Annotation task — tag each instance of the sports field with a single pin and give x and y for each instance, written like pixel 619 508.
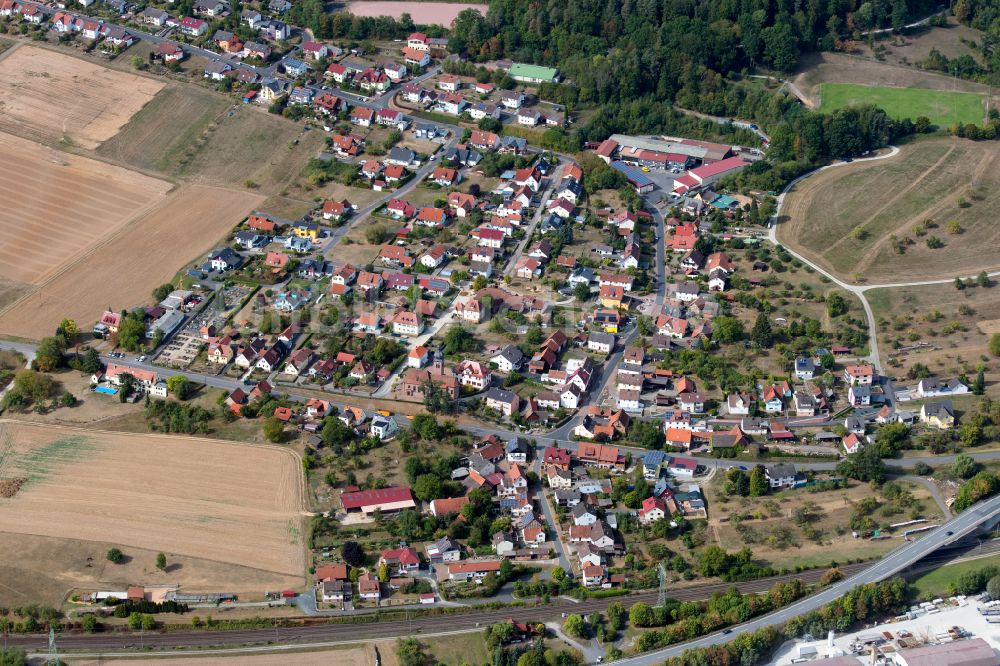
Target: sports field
pixel 942 107
pixel 175 494
pixel 874 218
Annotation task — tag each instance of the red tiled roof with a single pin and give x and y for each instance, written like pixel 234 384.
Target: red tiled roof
pixel 364 498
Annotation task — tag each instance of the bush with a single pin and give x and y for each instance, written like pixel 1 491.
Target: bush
pixel 91 625
pixel 115 556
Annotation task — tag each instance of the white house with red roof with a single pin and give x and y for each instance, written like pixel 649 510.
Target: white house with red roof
pixel 863 374
pixel 195 27
pixel 315 50
pixel 653 509
pixel 490 237
pixel 474 374
pixel 530 177
pixel 416 57
pixel 406 323
pixel 401 560
pixel 418 41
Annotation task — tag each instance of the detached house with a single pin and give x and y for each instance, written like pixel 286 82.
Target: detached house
pixel 406 323
pixel 474 374
pixel 445 177
pixel 505 402
pixel 940 415
pixel 193 26
pixel 859 374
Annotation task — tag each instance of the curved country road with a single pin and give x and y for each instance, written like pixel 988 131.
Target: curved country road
pixel 858 290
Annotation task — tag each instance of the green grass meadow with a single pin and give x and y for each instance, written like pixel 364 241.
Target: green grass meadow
pixel 937 582
pixel 942 107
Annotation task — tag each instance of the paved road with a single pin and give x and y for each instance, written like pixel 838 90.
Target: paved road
pixel 156 40
pixel 432 330
pixel 858 290
pixel 857 574
pixel 544 196
pixel 550 518
pixel 721 120
pixel 808 103
pixel 362 213
pixel 558 437
pixel 899 559
pixel 934 491
pixel 915 24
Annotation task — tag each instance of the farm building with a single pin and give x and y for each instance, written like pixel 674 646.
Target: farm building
pixel 386 500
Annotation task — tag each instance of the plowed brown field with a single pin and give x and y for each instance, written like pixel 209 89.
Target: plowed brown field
pixel 49 96
pixel 123 271
pixel 57 205
pixel 232 503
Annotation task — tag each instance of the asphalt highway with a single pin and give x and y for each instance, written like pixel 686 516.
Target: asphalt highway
pixel 964 524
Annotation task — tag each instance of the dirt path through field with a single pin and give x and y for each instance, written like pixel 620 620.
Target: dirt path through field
pixel 948 202
pixel 899 195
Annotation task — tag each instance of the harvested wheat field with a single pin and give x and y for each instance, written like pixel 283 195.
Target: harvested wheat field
pixel 58 205
pixel 231 503
pixel 49 96
pixel 123 272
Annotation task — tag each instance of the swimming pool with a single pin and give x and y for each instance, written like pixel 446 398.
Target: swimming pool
pixel 106 390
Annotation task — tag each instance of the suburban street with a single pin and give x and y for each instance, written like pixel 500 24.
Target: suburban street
pixel 903 557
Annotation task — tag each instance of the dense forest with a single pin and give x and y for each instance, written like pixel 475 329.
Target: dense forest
pixel 623 49
pixel 635 60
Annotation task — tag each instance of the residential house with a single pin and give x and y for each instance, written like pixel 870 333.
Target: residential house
pixel 194 27
pixel 369 587
pixel 508 359
pixel 400 560
pixel 738 404
pixel 940 414
pixel 430 216
pixel 443 550
pixel 383 427
pixel 472 570
pixel 406 323
pixel 781 475
pixel 863 374
pixel 416 57
pixel 504 402
pixel 804 368
pixel 859 395
pixel 653 509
